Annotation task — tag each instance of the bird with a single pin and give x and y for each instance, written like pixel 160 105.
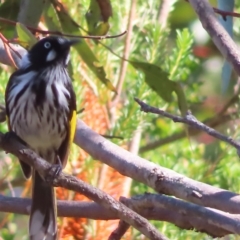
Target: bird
pixel 41 110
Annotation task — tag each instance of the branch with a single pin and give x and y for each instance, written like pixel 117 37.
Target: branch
pixel 218 119
pixel 122 227
pixel 225 221
pixel 218 34
pixel 161 179
pixel 58 33
pixel 13 144
pixel 182 214
pixel 190 120
pixel 212 122
pixel 224 14
pixel 126 52
pixel 119 232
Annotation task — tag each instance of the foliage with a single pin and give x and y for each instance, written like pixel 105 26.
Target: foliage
pixel 163 69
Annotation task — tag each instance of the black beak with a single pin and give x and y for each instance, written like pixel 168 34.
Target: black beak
pixel 73 41
pixel 68 43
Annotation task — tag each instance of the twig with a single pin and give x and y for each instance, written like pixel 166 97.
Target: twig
pixel 190 120
pixel 15 183
pixel 8 49
pixel 123 67
pixel 123 226
pixel 33 29
pixel 118 233
pixel 212 122
pixel 224 13
pixel 229 103
pixel 13 144
pixel 15 51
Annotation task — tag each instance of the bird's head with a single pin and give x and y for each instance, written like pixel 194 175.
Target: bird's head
pixel 48 51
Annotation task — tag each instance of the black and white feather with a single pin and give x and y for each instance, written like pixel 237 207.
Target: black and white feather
pixel 39 103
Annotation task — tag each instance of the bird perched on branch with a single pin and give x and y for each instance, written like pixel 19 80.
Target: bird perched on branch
pixel 41 110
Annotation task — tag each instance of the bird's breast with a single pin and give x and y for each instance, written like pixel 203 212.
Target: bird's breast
pixel 41 124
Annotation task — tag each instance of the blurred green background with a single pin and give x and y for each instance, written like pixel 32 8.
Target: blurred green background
pixel 185 58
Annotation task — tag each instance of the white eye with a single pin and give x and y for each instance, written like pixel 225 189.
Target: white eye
pixel 47 45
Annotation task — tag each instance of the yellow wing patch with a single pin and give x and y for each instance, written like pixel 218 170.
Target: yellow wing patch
pixel 73 123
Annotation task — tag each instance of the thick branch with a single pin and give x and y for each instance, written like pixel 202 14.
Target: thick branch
pixel 214 217
pixel 12 144
pixel 155 176
pixel 161 179
pixel 168 210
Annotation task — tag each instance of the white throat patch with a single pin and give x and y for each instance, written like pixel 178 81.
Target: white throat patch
pixel 51 56
pixel 67 59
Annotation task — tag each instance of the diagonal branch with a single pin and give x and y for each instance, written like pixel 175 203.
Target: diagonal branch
pixel 161 179
pixel 218 119
pixel 212 122
pixel 119 232
pixel 219 35
pixel 13 144
pixel 190 120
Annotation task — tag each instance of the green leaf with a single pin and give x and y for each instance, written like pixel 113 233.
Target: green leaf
pixel 6 234
pixel 158 80
pixel 97 17
pixel 25 37
pixel 70 26
pixel 51 18
pixel 89 58
pixel 182 102
pixel 9 10
pixel 67 23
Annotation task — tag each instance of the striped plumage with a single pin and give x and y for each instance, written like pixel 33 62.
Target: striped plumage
pixel 41 109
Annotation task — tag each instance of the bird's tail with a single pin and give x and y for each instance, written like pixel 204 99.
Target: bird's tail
pixel 43 218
